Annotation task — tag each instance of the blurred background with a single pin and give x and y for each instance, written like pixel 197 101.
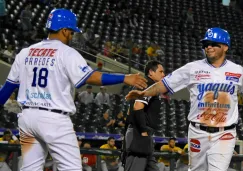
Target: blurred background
pixel 120 36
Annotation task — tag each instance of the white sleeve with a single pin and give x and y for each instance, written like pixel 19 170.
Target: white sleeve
pixel 13 76
pixel 77 68
pixel 178 79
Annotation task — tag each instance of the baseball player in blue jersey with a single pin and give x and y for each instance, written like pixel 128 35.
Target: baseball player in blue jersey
pixel 45 73
pixel 213 84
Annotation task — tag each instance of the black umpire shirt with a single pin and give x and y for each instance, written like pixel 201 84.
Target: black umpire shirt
pixel 148 117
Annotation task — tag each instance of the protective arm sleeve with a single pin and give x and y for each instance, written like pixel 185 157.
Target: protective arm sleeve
pixel 140 120
pixel 6 91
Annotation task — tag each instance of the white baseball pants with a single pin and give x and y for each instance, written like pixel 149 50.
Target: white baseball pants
pixel 43 131
pixel 210 151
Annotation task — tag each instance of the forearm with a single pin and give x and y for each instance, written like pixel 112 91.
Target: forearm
pixel 99 78
pixel 155 89
pixel 6 91
pixel 140 120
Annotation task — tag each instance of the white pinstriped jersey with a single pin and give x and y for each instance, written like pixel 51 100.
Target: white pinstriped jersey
pixel 213 91
pixel 47 72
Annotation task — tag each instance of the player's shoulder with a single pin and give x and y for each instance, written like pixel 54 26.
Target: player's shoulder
pixel 232 64
pixel 71 51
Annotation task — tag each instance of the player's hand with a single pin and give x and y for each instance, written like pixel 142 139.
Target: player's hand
pixel 135 80
pixel 135 94
pixel 144 134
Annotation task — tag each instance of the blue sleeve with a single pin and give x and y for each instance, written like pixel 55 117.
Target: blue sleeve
pixel 111 79
pixel 6 91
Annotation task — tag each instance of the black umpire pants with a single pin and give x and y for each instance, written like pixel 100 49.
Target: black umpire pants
pixel 136 162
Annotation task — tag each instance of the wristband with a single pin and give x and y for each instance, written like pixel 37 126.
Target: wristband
pixel 110 79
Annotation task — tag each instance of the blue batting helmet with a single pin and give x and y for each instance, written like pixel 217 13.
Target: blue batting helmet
pixel 217 35
pixel 62 18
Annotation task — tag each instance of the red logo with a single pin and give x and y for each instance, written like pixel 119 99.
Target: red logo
pixel 232 74
pixel 202 76
pixel 227 136
pixel 195 145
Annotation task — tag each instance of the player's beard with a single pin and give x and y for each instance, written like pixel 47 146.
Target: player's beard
pixel 215 57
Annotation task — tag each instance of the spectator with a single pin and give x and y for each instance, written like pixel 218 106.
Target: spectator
pixel 89 160
pixel 7 138
pixel 110 163
pixel 189 17
pixel 106 121
pixel 12 105
pixel 26 17
pixel 160 53
pixel 151 52
pixel 136 50
pixel 87 96
pixel 9 54
pixel 102 97
pixel 99 66
pixel 182 163
pixel 108 49
pixel 240 98
pixel 120 120
pixel 169 148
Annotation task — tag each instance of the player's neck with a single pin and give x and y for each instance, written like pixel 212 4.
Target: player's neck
pixel 56 37
pixel 217 63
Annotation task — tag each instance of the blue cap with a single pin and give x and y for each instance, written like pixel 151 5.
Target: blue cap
pixel 62 18
pixel 217 35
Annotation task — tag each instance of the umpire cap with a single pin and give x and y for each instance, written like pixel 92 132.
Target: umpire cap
pixel 62 18
pixel 217 35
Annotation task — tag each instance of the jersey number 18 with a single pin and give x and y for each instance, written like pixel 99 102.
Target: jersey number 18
pixel 42 77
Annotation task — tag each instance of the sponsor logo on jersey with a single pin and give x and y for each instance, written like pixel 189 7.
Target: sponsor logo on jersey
pixel 42 52
pixel 202 105
pixel 37 104
pixel 202 76
pixel 202 72
pixel 44 95
pixel 40 57
pixel 216 88
pixel 232 76
pixel 227 136
pixel 195 145
pixel 84 69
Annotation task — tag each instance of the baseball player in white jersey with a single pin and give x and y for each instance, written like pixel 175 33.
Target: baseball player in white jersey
pixel 45 73
pixel 213 84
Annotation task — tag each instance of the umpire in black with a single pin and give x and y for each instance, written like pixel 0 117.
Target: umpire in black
pixel 142 121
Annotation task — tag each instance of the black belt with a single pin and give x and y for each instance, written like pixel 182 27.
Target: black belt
pixel 42 108
pixel 212 129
